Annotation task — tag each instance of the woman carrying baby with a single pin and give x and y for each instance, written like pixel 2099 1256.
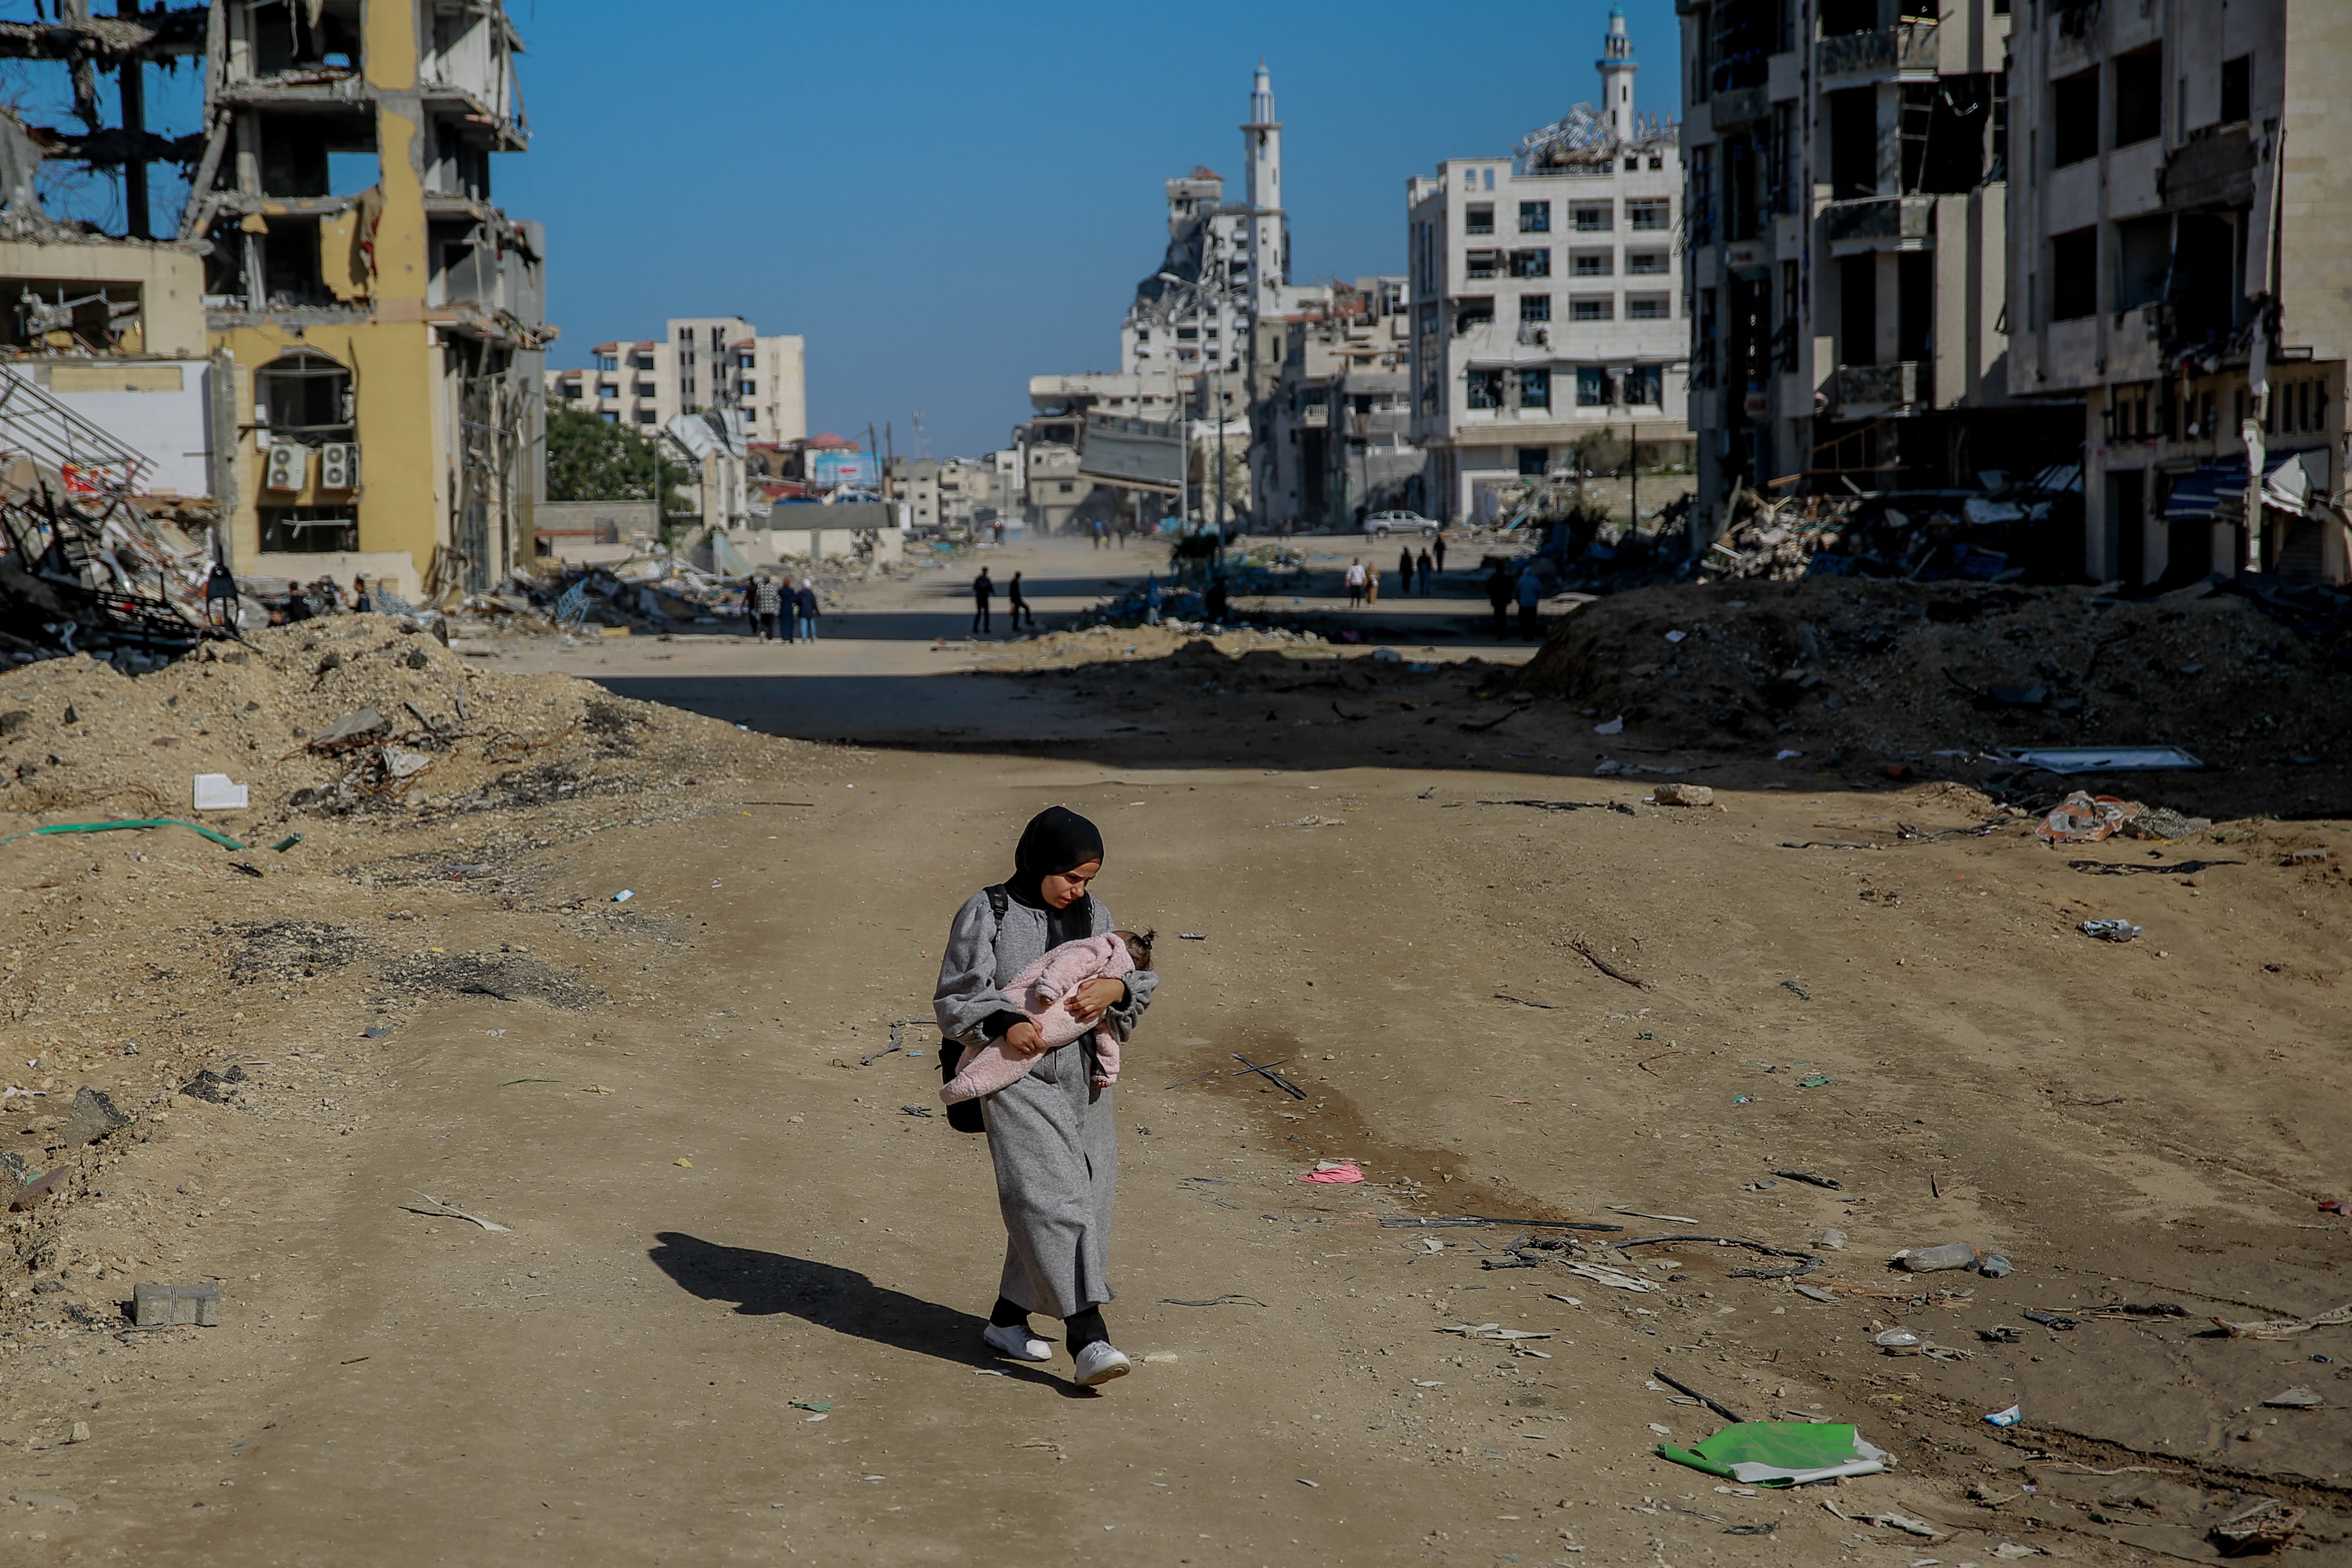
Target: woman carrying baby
pixel 1052 1132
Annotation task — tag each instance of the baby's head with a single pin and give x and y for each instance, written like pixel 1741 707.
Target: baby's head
pixel 1139 946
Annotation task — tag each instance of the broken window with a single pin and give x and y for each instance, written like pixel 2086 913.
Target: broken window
pixel 309 529
pixel 76 315
pixel 1854 144
pixel 1915 312
pixel 291 274
pixel 2139 95
pixel 1531 264
pixel 1858 310
pixel 1945 127
pixel 1478 217
pixel 2075 118
pixel 1535 388
pixel 291 37
pixel 1644 387
pixel 1590 264
pixel 1483 389
pixel 1840 18
pixel 1535 307
pixel 2074 274
pixel 1481 263
pixel 1473 310
pixel 306 398
pixel 2237 89
pixel 2143 259
pixel 1592 217
pixel 1600 308
pixel 2205 292
pixel 1592 386
pixel 1535 217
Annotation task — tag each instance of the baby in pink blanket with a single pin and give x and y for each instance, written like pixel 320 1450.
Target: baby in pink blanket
pixel 1041 991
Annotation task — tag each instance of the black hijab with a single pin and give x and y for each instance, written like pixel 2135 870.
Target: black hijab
pixel 1057 840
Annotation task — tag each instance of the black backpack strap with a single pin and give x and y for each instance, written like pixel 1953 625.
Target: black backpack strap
pixel 998 901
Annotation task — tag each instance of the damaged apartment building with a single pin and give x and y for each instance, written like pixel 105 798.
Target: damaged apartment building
pixel 1846 240
pixel 2183 206
pixel 1334 429
pixel 341 320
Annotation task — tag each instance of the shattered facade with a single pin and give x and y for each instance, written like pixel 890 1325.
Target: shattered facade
pixel 1545 289
pixel 1335 428
pixel 374 321
pixel 1847 198
pixel 2181 211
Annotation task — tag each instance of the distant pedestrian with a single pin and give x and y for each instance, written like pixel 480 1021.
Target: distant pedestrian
pixel 1498 594
pixel 1096 527
pixel 361 603
pixel 809 609
pixel 1440 553
pixel 1018 604
pixel 984 595
pixel 1121 529
pixel 1530 596
pixel 766 599
pixel 1371 585
pixel 221 596
pixel 1355 583
pixel 1424 572
pixel 788 614
pixel 1404 570
pixel 1215 602
pixel 1152 598
pixel 999 527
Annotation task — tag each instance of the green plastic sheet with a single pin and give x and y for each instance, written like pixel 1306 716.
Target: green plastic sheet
pixel 1781 1452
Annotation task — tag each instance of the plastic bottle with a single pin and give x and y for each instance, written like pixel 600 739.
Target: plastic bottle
pixel 1897 1342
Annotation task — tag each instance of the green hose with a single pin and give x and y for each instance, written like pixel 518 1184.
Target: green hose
pixel 221 838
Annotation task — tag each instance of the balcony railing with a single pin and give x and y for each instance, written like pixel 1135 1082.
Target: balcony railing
pixel 1740 106
pixel 1860 389
pixel 1886 220
pixel 1889 51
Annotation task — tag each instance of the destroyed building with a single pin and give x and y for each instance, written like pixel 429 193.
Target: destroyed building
pixel 1848 194
pixel 341 320
pixel 1546 288
pixel 2180 214
pixel 1335 428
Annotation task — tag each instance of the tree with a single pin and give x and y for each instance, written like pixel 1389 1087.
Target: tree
pixel 588 459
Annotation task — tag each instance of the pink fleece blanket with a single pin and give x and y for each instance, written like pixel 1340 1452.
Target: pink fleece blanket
pixel 1042 991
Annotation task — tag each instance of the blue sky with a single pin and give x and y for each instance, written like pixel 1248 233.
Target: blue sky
pixel 946 199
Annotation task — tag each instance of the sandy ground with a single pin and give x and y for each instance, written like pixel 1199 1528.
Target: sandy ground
pixel 735 1315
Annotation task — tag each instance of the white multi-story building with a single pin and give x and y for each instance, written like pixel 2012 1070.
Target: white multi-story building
pixel 702 363
pixel 1545 295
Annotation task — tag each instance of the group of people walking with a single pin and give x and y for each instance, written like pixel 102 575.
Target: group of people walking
pixel 983 598
pixel 781 611
pixel 1364 581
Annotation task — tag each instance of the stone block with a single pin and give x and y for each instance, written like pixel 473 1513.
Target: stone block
pixel 169 1306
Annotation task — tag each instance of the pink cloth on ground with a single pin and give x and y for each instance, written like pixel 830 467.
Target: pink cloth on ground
pixel 1041 991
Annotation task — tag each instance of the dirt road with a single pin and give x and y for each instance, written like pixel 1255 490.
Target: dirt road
pixel 734 1317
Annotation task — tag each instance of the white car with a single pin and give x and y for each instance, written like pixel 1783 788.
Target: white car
pixel 1380 525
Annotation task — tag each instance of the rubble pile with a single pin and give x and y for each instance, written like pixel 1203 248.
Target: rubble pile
pixel 1944 675
pixel 2029 530
pixel 341 715
pixel 83 569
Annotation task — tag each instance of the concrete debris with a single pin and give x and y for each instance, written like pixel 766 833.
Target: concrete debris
pixel 173 1306
pixel 92 1118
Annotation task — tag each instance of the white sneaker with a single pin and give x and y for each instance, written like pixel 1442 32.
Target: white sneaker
pixel 1017 1341
pixel 1100 1363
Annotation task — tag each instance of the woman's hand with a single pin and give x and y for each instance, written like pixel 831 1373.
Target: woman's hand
pixel 1023 1039
pixel 1095 997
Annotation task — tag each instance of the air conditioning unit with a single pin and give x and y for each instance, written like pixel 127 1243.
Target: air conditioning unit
pixel 288 468
pixel 339 466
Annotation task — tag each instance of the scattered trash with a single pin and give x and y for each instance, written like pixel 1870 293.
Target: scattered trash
pixel 914 1111
pixel 1613 727
pixel 217 792
pixel 1810 1178
pixel 1584 949
pixel 2010 1550
pixel 2056 1323
pixel 207 1085
pixel 2265 1527
pixel 1489 1331
pixel 1682 795
pixel 287 843
pixel 1637 1214
pixel 1265 1071
pixel 1159 1355
pixel 454 1212
pixel 687 1163
pixel 1304 1482
pixel 2156 822
pixel 1781 1454
pixel 2084 818
pixel 1192 936
pixel 1716 1405
pixel 1802 994
pixel 2295 1399
pixel 222 839
pixel 1615 1279
pixel 2285 1327
pixel 822 1406
pixel 1996 1265
pixel 2009 1417
pixel 1897 1340
pixel 2098 759
pixel 1816 1293
pixel 1930 1259
pixel 1567 1300
pixel 1816 1080
pixel 2109 929
pixel 624 895
pixel 172 1306
pixel 2336 1205
pixel 2000 1334
pixel 1834 1239
pixel 1334 1171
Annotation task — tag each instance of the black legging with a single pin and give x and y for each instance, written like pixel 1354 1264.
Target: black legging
pixel 1084 1328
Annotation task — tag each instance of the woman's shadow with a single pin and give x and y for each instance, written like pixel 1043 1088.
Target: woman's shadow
pixel 764 1283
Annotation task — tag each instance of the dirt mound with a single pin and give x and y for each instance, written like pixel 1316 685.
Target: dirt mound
pixel 1909 673
pixel 352 714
